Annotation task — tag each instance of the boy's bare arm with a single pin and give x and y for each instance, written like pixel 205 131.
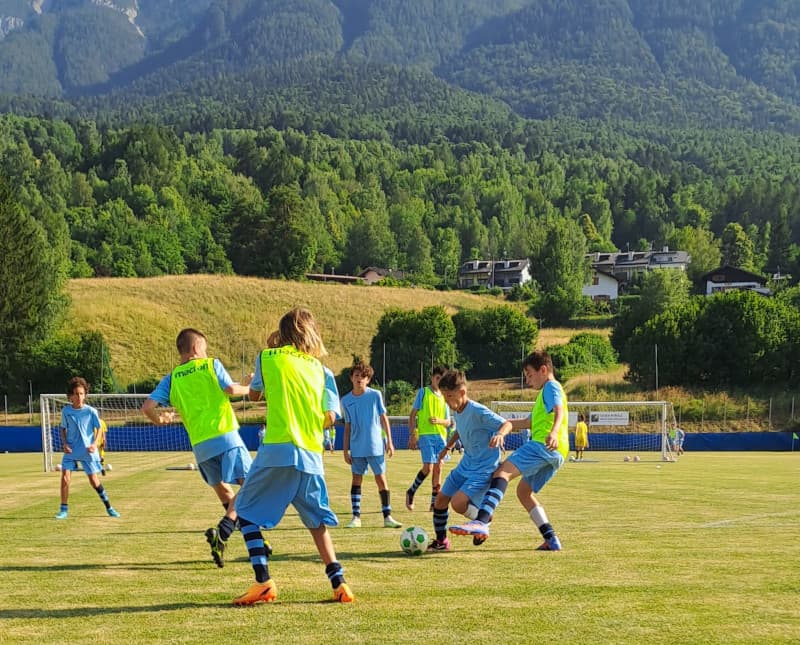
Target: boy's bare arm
pixel 387 430
pixel 551 441
pixel 240 389
pixel 151 411
pixel 518 425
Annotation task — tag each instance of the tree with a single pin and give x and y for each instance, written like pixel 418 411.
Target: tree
pixel 559 266
pixel 414 340
pixel 703 250
pixel 737 248
pixel 33 277
pixel 492 341
pixel 661 290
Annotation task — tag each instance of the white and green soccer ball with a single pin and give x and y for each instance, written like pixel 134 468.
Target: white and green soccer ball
pixel 414 540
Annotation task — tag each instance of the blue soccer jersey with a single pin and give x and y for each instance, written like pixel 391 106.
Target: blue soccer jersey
pixel 80 424
pixel 476 424
pixel 363 413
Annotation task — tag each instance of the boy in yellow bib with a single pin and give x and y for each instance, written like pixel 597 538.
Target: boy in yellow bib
pixel 427 427
pixel 199 389
pixel 288 468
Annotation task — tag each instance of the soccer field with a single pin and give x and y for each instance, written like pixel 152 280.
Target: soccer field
pixel 705 550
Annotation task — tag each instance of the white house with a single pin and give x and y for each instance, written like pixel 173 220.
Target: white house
pixel 626 266
pixel 604 286
pixel 728 278
pixel 505 274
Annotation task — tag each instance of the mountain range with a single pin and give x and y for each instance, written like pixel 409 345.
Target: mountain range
pixel 728 63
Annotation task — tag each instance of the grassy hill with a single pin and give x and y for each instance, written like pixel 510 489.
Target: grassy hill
pixel 140 317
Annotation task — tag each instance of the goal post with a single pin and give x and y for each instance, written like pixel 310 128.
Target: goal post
pixel 633 427
pixel 128 429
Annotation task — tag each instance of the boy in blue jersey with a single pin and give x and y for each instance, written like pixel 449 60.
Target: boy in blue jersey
pixel 536 461
pixel 427 428
pixel 199 389
pixel 288 468
pixel 366 426
pixel 481 432
pixel 80 424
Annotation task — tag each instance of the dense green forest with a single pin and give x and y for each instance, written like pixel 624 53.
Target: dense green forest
pixel 144 200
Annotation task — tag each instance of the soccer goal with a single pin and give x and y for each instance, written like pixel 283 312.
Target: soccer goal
pixel 634 427
pixel 128 429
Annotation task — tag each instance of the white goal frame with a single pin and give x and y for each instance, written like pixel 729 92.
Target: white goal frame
pixel 624 419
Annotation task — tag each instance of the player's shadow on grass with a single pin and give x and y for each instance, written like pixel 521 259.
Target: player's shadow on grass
pixel 344 555
pixel 79 612
pixel 145 566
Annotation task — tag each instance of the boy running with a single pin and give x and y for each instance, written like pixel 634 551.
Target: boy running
pixel 427 427
pixel 288 468
pixel 199 389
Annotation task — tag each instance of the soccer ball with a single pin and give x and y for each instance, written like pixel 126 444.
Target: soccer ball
pixel 190 466
pixel 626 458
pixel 636 458
pixel 571 458
pixel 58 466
pixel 414 540
pixel 108 467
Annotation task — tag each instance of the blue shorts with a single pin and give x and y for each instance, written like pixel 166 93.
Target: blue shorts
pixel 376 463
pixel 90 466
pixel 473 485
pixel 267 493
pixel 536 463
pixel 230 467
pixel 430 445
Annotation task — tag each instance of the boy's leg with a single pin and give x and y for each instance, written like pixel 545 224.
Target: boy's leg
pixel 66 475
pixel 355 501
pixel 479 527
pixel 538 517
pixel 440 517
pixel 386 507
pixel 94 480
pixel 421 475
pixel 217 538
pixel 334 570
pixel 264 589
pixel 436 483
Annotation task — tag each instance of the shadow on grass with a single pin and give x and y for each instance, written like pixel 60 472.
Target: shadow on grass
pixel 145 566
pixel 77 612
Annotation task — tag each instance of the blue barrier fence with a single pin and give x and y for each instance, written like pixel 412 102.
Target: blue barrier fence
pixel 121 439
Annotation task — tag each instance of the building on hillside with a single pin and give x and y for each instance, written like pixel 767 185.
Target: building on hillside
pixel 505 274
pixel 628 265
pixel 370 275
pixel 728 278
pixel 604 286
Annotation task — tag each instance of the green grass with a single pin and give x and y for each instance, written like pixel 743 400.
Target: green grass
pixel 700 551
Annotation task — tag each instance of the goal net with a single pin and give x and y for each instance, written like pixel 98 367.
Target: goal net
pixel 633 427
pixel 128 429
